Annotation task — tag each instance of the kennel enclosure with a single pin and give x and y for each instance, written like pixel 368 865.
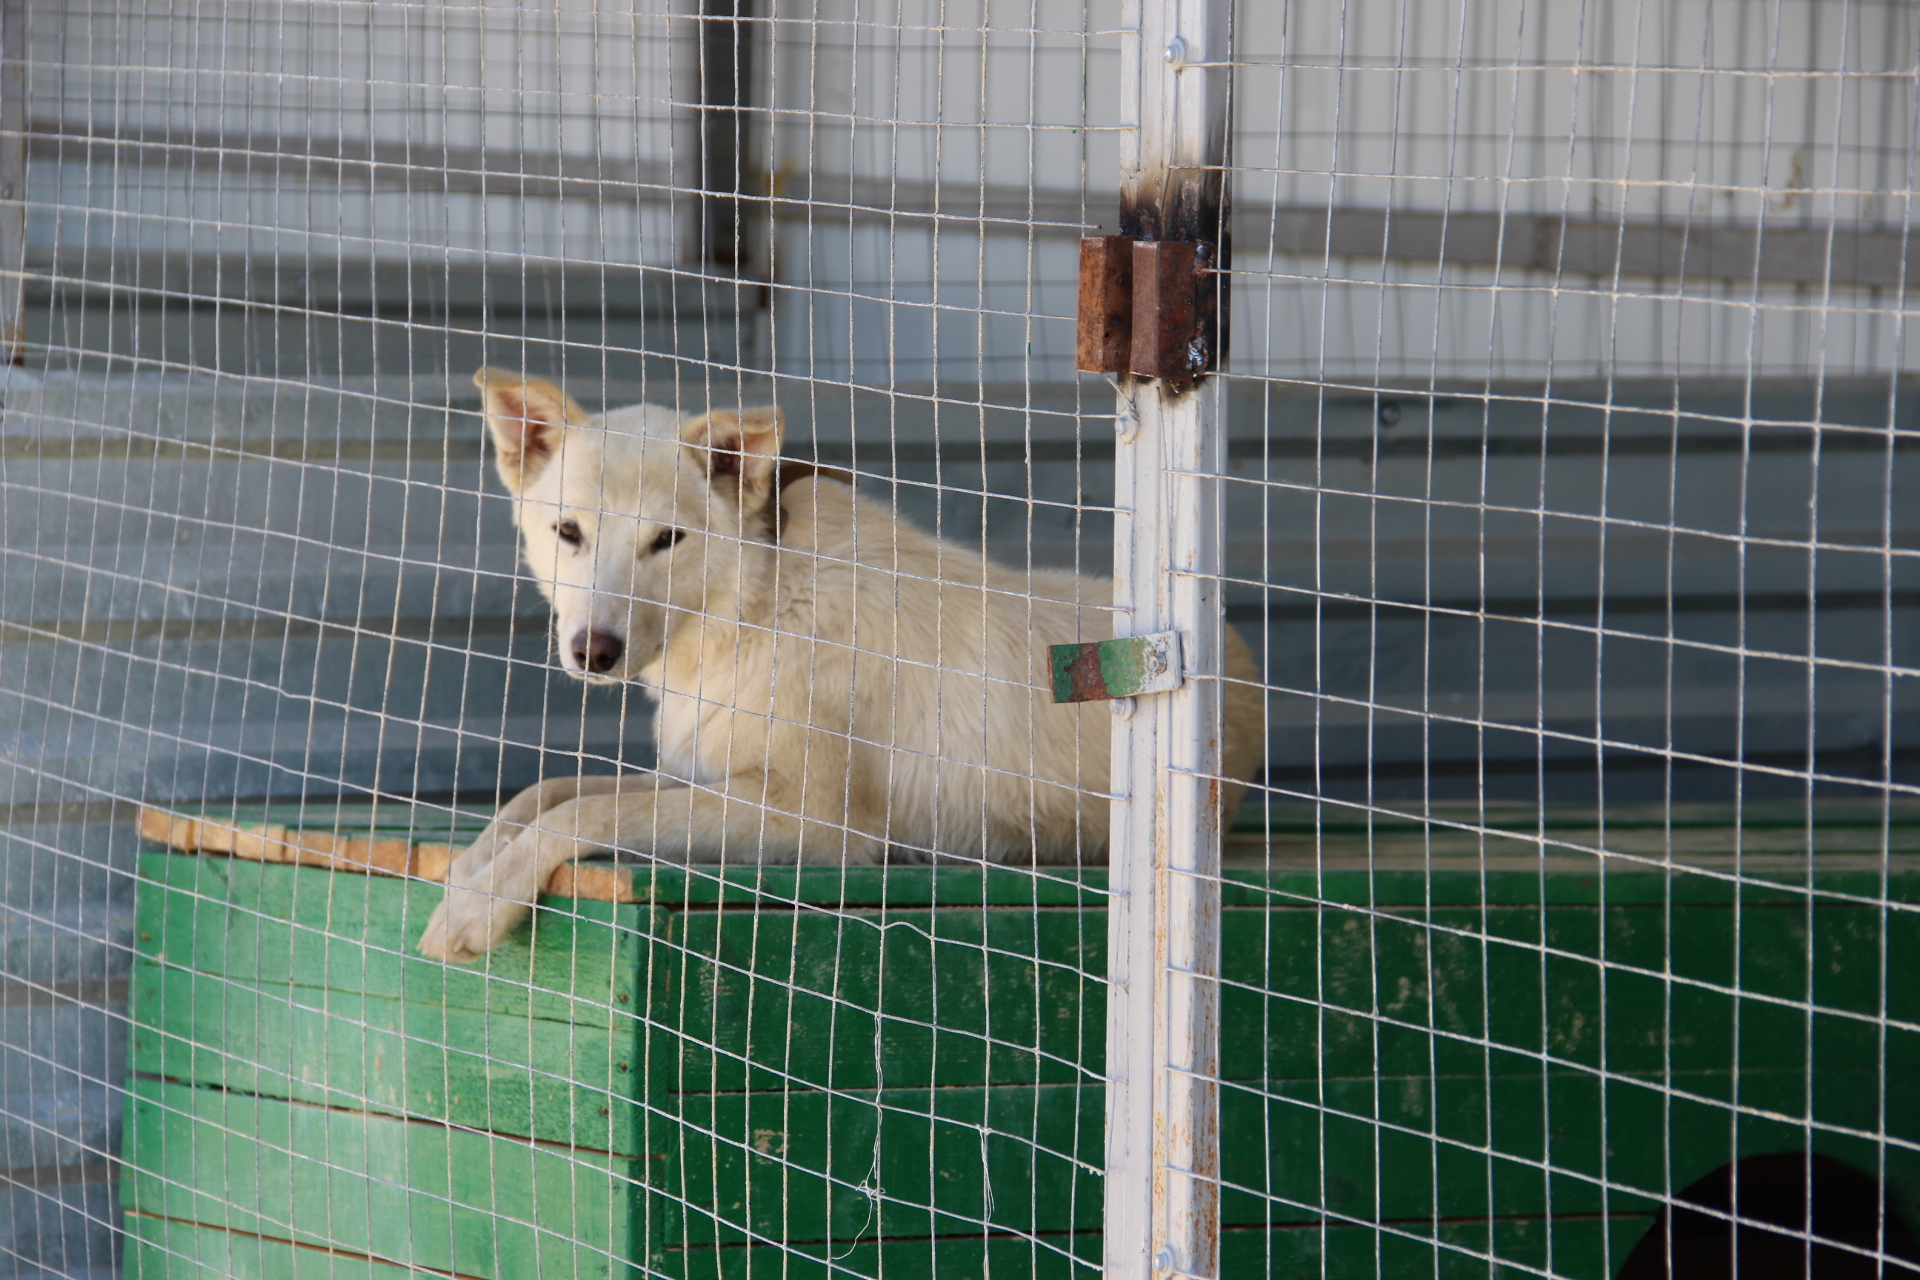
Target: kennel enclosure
pixel 1557 479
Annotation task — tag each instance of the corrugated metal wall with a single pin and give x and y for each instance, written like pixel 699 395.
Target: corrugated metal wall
pixel 308 136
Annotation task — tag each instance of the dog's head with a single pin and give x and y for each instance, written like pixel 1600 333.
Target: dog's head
pixel 629 517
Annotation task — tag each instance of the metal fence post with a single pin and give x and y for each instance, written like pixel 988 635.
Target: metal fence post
pixel 13 177
pixel 1162 1193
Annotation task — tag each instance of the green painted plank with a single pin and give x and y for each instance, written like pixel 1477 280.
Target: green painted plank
pixel 896 886
pixel 899 1163
pixel 806 1166
pixel 1574 880
pixel 265 923
pixel 1514 1143
pixel 1325 1153
pixel 1257 816
pixel 1347 993
pixel 1587 1249
pixel 1332 816
pixel 1451 881
pixel 963 997
pixel 1346 878
pixel 1568 1249
pixel 767 1000
pixel 421 1195
pixel 354 927
pixel 1639 1113
pixel 1073 1257
pixel 510 1075
pixel 157 1249
pixel 1324 852
pixel 1322 992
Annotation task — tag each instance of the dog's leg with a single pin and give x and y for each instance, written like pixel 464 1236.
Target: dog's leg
pixel 516 813
pixel 677 824
pixel 514 818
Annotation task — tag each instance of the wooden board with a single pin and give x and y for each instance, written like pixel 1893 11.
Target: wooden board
pixel 863 998
pixel 507 1075
pixel 1015 997
pixel 830 1165
pixel 261 923
pixel 1052 1257
pixel 1305 850
pixel 1575 1248
pixel 1516 1142
pixel 417 1195
pixel 1568 1248
pixel 819 1165
pixel 348 838
pixel 162 1249
pixel 1438 1043
pixel 350 842
pixel 1631 988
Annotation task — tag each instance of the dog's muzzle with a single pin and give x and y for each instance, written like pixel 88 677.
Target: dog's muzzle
pixel 597 651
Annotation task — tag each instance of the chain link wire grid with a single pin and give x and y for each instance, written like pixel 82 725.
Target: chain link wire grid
pixel 270 628
pixel 1571 394
pixel 1566 932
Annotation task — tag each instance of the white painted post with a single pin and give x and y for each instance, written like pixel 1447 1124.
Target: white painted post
pixel 13 177
pixel 1163 1151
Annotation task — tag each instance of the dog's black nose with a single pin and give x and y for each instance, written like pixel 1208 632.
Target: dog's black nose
pixel 597 651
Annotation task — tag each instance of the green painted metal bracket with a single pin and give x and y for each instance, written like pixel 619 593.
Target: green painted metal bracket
pixel 1125 668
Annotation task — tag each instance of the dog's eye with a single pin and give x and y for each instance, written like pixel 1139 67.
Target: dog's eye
pixel 667 538
pixel 569 531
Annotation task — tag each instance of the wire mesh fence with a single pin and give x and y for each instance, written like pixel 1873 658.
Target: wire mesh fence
pixel 1573 381
pixel 1541 538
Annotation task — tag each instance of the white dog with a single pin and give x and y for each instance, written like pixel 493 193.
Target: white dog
pixel 835 684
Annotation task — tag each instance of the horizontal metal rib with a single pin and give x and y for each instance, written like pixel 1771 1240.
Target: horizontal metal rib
pixel 125 631
pixel 1290 606
pixel 1842 254
pixel 880 457
pixel 1293 607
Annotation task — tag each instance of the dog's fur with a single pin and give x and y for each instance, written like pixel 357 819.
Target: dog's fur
pixel 835 684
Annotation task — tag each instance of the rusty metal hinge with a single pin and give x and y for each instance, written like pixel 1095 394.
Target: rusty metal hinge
pixel 1125 668
pixel 1148 307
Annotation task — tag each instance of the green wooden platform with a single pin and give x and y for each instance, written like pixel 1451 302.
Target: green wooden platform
pixel 1445 1051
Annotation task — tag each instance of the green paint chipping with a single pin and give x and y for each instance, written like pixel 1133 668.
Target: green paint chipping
pixel 1128 667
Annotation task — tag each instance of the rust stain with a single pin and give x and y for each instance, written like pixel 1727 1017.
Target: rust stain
pixel 1163 308
pixel 1105 335
pixel 1078 674
pixel 1180 330
pixel 1174 306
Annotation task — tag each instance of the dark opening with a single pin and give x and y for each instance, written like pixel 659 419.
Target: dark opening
pixel 1848 1208
pixel 725 72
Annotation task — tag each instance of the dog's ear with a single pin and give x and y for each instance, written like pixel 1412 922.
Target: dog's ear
pixel 526 417
pixel 738 451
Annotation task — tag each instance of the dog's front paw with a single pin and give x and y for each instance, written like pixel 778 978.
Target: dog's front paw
pixel 474 918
